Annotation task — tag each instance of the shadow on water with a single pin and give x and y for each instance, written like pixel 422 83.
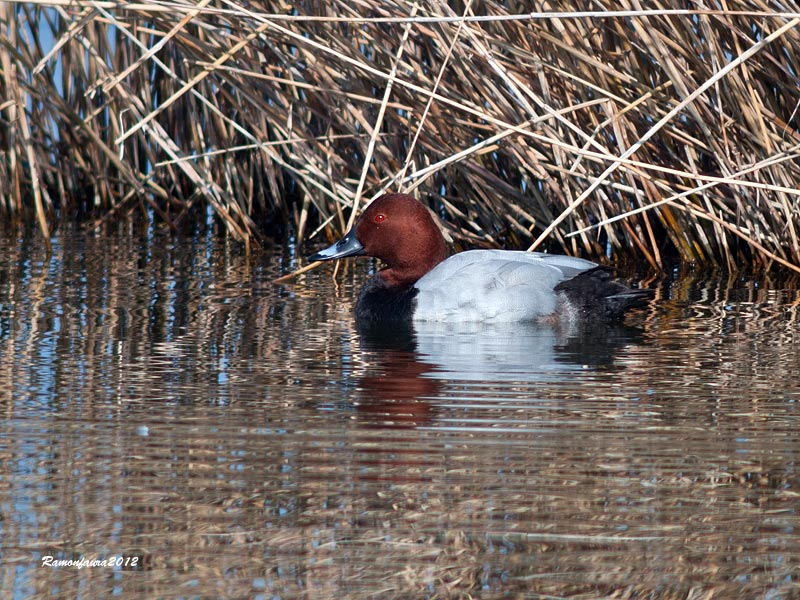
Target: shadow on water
pixel 162 400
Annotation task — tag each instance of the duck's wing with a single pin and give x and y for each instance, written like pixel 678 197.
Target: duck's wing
pixel 570 266
pixel 494 285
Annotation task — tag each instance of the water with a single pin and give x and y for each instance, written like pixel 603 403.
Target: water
pixel 167 408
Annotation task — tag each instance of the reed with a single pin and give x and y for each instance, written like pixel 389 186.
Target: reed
pixel 602 130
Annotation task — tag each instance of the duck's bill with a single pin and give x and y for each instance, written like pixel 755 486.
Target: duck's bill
pixel 347 246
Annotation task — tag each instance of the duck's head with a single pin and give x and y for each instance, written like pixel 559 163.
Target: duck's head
pixel 399 231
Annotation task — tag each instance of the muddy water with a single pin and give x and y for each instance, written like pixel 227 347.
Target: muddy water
pixel 168 412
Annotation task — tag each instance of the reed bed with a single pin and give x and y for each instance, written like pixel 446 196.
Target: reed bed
pixel 594 128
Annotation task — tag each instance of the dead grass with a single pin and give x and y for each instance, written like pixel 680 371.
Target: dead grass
pixel 627 131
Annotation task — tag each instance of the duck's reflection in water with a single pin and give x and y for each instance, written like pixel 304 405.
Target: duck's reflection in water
pixel 413 363
pixel 398 391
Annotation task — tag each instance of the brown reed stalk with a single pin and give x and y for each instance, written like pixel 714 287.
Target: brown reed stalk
pixel 647 131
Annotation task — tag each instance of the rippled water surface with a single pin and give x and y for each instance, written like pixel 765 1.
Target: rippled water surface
pixel 166 407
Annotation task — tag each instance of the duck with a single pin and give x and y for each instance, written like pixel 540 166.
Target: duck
pixel 421 282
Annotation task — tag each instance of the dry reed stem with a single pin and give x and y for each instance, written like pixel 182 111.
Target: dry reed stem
pixel 33 166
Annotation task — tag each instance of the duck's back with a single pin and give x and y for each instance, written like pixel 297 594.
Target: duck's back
pixel 495 285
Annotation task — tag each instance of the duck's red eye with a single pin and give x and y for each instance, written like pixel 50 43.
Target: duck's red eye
pixel 380 218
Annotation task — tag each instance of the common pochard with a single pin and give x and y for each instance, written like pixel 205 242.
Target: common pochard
pixel 419 282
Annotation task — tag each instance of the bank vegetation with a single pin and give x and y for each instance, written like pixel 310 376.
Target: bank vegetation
pixel 594 128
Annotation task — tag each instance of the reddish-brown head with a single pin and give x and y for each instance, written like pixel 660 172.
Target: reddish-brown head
pixel 398 230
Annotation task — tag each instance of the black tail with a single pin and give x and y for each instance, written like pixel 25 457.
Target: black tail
pixel 596 296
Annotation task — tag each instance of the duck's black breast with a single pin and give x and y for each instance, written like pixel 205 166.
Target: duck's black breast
pixel 378 303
